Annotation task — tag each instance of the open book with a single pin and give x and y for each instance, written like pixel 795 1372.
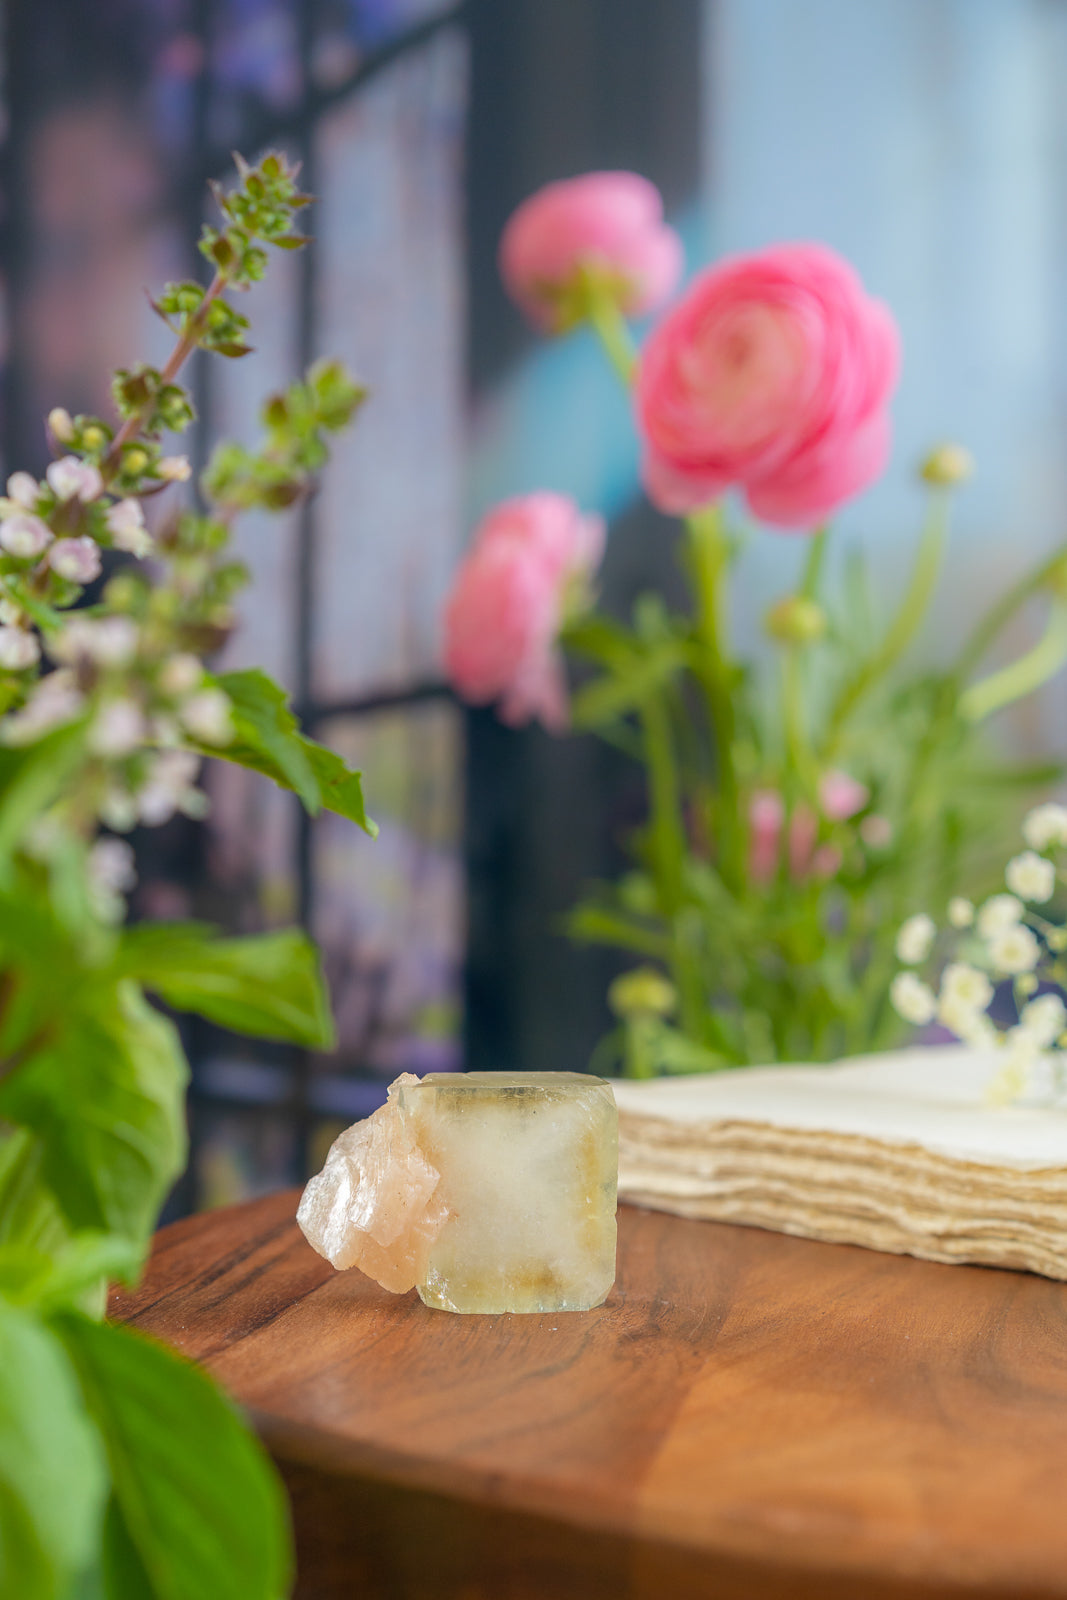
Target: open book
pixel 897 1152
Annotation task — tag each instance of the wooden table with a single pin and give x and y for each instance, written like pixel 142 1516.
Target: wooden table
pixel 748 1416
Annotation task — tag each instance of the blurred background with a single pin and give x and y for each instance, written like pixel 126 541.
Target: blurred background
pixel 925 139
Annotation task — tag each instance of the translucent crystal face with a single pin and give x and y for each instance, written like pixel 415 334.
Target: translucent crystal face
pixel 489 1191
pixel 528 1165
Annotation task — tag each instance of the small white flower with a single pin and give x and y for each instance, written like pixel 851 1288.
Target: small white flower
pixel 23 488
pixel 24 535
pixel 111 866
pixel 912 999
pixel 170 787
pixel 960 912
pixel 1045 825
pixel 174 469
pixel 125 523
pixel 180 674
pixel 876 831
pixel 1013 950
pixel 207 715
pixel 71 479
pixel 118 811
pixel 59 425
pixel 18 649
pixel 1031 877
pixel 54 701
pixel 118 729
pixel 915 939
pixel 11 615
pixel 1044 1019
pixel 107 641
pixel 999 911
pixel 966 984
pixel 966 1021
pixel 77 560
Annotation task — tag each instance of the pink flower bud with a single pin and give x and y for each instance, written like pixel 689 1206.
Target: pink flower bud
pixel 766 814
pixel 77 560
pixel 826 862
pixel 841 796
pixel 23 488
pixel 125 523
pixel 24 535
pixel 72 479
pixel 772 373
pixel 803 831
pixel 608 222
pixel 18 649
pixel 508 604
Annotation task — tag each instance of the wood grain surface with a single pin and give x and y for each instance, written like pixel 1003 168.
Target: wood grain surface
pixel 747 1416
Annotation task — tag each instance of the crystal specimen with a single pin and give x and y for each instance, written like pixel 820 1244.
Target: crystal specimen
pixel 489 1191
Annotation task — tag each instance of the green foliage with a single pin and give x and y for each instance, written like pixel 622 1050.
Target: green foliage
pixel 196 1509
pixel 268 739
pixel 124 1473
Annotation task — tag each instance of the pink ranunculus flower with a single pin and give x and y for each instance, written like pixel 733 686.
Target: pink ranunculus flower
pixel 608 222
pixel 772 374
pixel 529 559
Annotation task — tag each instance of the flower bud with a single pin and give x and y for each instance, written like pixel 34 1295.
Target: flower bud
pixel 93 437
pixel 23 488
pixel 77 560
pixel 796 620
pixel 642 992
pixel 71 479
pixel 947 466
pixel 60 426
pixel 18 650
pixel 24 535
pixel 135 461
pixel 125 523
pixel 175 469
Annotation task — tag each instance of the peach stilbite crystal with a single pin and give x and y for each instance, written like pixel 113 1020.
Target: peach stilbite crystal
pixel 373 1205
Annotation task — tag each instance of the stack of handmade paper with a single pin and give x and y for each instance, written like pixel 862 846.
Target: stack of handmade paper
pixel 898 1152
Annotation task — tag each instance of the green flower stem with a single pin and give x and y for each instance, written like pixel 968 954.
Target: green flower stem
pixel 797 744
pixel 669 848
pixel 813 565
pixel 613 331
pixel 709 563
pixel 905 623
pixel 1022 677
pixel 1001 614
pixel 178 356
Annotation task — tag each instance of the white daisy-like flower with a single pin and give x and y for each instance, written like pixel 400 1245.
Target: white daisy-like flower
pixel 1044 1019
pixel 999 911
pixel 967 984
pixel 71 479
pixel 915 939
pixel 966 1021
pixel 1013 950
pixel 960 912
pixel 912 999
pixel 1045 825
pixel 1031 877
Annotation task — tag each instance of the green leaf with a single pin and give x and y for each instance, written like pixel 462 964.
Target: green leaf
pixel 195 1494
pixel 268 740
pixel 106 1096
pixel 627 687
pixel 31 776
pixel 62 1279
pixel 52 1472
pixel 270 985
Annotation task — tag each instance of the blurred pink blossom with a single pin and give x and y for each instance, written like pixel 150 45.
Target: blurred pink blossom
pixel 803 832
pixel 766 814
pixel 508 602
pixel 772 374
pixel 611 222
pixel 841 796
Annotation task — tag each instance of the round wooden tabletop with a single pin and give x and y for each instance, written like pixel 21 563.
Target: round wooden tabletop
pixel 747 1416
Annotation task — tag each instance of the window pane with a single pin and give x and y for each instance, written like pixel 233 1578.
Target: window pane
pixel 389 231
pixel 347 31
pixel 390 913
pixel 241 1154
pixel 255 65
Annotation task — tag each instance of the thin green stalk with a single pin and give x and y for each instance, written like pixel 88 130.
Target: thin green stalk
pixel 798 746
pixel 669 849
pixel 813 565
pixel 1001 614
pixel 1023 676
pixel 709 562
pixel 905 623
pixel 613 332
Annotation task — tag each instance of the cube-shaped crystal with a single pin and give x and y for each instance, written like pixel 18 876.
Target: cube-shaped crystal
pixel 529 1166
pixel 488 1191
